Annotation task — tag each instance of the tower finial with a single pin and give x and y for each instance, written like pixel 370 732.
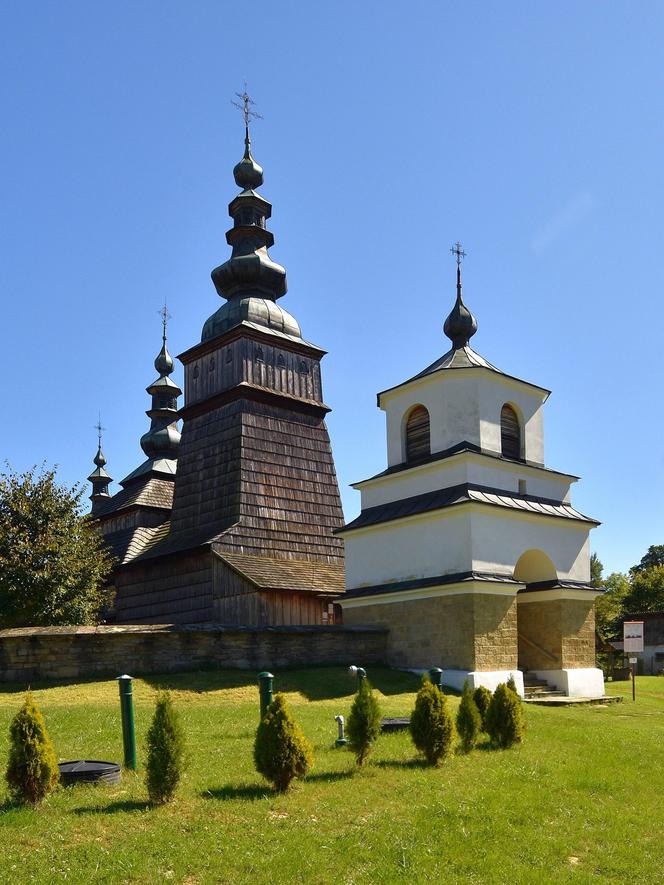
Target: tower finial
pixel 247 113
pixel 99 478
pixel 460 325
pixel 165 317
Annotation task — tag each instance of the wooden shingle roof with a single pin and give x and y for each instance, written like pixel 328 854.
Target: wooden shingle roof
pixel 267 573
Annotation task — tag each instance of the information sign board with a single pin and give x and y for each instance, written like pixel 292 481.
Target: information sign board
pixel 633 636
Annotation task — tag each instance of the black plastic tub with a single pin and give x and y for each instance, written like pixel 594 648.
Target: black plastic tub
pixel 88 771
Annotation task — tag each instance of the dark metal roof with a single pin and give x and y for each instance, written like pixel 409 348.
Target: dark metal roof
pixel 458 449
pixel 462 494
pixel 437 581
pixel 462 358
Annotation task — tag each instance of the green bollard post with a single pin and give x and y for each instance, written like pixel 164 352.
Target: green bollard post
pixel 265 689
pixel 436 676
pixel 127 712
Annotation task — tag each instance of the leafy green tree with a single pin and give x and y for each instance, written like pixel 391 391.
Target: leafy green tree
pixel 482 697
pixel 431 723
pixel 468 721
pixel 596 569
pixel 53 564
pixel 165 751
pixel 646 592
pixel 505 724
pixel 609 607
pixel 32 770
pixel 654 557
pixel 281 751
pixel 363 726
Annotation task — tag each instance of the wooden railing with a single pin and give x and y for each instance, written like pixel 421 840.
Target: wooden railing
pixel 532 644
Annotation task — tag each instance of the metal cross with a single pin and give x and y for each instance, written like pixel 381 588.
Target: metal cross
pixel 99 429
pixel 165 317
pixel 246 100
pixel 457 250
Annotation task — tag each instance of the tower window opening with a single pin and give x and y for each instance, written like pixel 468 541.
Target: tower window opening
pixel 510 433
pixel 418 435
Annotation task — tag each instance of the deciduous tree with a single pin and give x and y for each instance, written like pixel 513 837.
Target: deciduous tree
pixel 53 564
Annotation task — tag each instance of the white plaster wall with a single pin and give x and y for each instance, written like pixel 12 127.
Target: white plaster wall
pixel 400 551
pixel 464 468
pixel 465 538
pixel 582 682
pixel 490 679
pixel 499 537
pixel 465 404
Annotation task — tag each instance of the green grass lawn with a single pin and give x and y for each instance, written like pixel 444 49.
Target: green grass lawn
pixel 581 800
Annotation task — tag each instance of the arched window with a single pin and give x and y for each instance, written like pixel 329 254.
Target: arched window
pixel 510 433
pixel 418 438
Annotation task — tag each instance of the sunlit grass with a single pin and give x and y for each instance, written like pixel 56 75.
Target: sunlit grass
pixel 579 801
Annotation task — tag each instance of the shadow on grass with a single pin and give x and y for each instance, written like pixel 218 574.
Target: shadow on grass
pixel 126 805
pixel 417 762
pixel 315 683
pixel 330 776
pixel 244 791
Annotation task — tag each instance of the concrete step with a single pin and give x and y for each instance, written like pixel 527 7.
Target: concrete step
pixel 541 693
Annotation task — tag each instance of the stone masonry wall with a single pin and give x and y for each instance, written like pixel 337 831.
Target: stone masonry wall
pixel 557 634
pixel 55 653
pixel 463 632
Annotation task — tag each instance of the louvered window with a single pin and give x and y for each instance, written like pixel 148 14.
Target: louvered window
pixel 418 438
pixel 510 433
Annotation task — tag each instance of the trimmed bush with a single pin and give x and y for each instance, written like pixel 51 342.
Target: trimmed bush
pixel 511 684
pixel 431 723
pixel 468 721
pixel 505 718
pixel 281 751
pixel 165 760
pixel 32 770
pixel 363 726
pixel 482 697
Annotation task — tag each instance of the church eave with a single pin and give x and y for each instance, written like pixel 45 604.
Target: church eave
pixel 459 495
pixel 494 373
pixel 436 581
pixel 255 393
pixel 254 333
pixel 462 448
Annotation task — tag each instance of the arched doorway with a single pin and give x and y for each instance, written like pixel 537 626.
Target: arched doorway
pixel 537 635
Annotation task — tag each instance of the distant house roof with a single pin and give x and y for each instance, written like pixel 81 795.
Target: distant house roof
pixel 461 494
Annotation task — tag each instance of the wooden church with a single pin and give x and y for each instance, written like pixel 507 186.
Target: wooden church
pixel 231 520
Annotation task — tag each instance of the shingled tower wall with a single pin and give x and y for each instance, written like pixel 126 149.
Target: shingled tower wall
pixel 256 497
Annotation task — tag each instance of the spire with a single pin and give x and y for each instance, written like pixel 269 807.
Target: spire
pixel 163 437
pixel 460 325
pixel 99 477
pixel 249 281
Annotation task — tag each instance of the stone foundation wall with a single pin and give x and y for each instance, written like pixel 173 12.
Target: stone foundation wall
pixel 463 632
pixel 556 634
pixel 54 653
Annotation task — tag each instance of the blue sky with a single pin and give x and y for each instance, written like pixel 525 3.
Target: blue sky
pixel 531 132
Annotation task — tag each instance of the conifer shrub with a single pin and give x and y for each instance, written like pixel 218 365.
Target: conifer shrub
pixel 281 751
pixel 468 720
pixel 431 723
pixel 482 697
pixel 363 726
pixel 512 685
pixel 166 748
pixel 504 719
pixel 32 770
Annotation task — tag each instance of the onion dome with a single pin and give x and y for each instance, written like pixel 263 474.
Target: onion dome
pixel 250 281
pixel 163 437
pixel 460 325
pixel 99 478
